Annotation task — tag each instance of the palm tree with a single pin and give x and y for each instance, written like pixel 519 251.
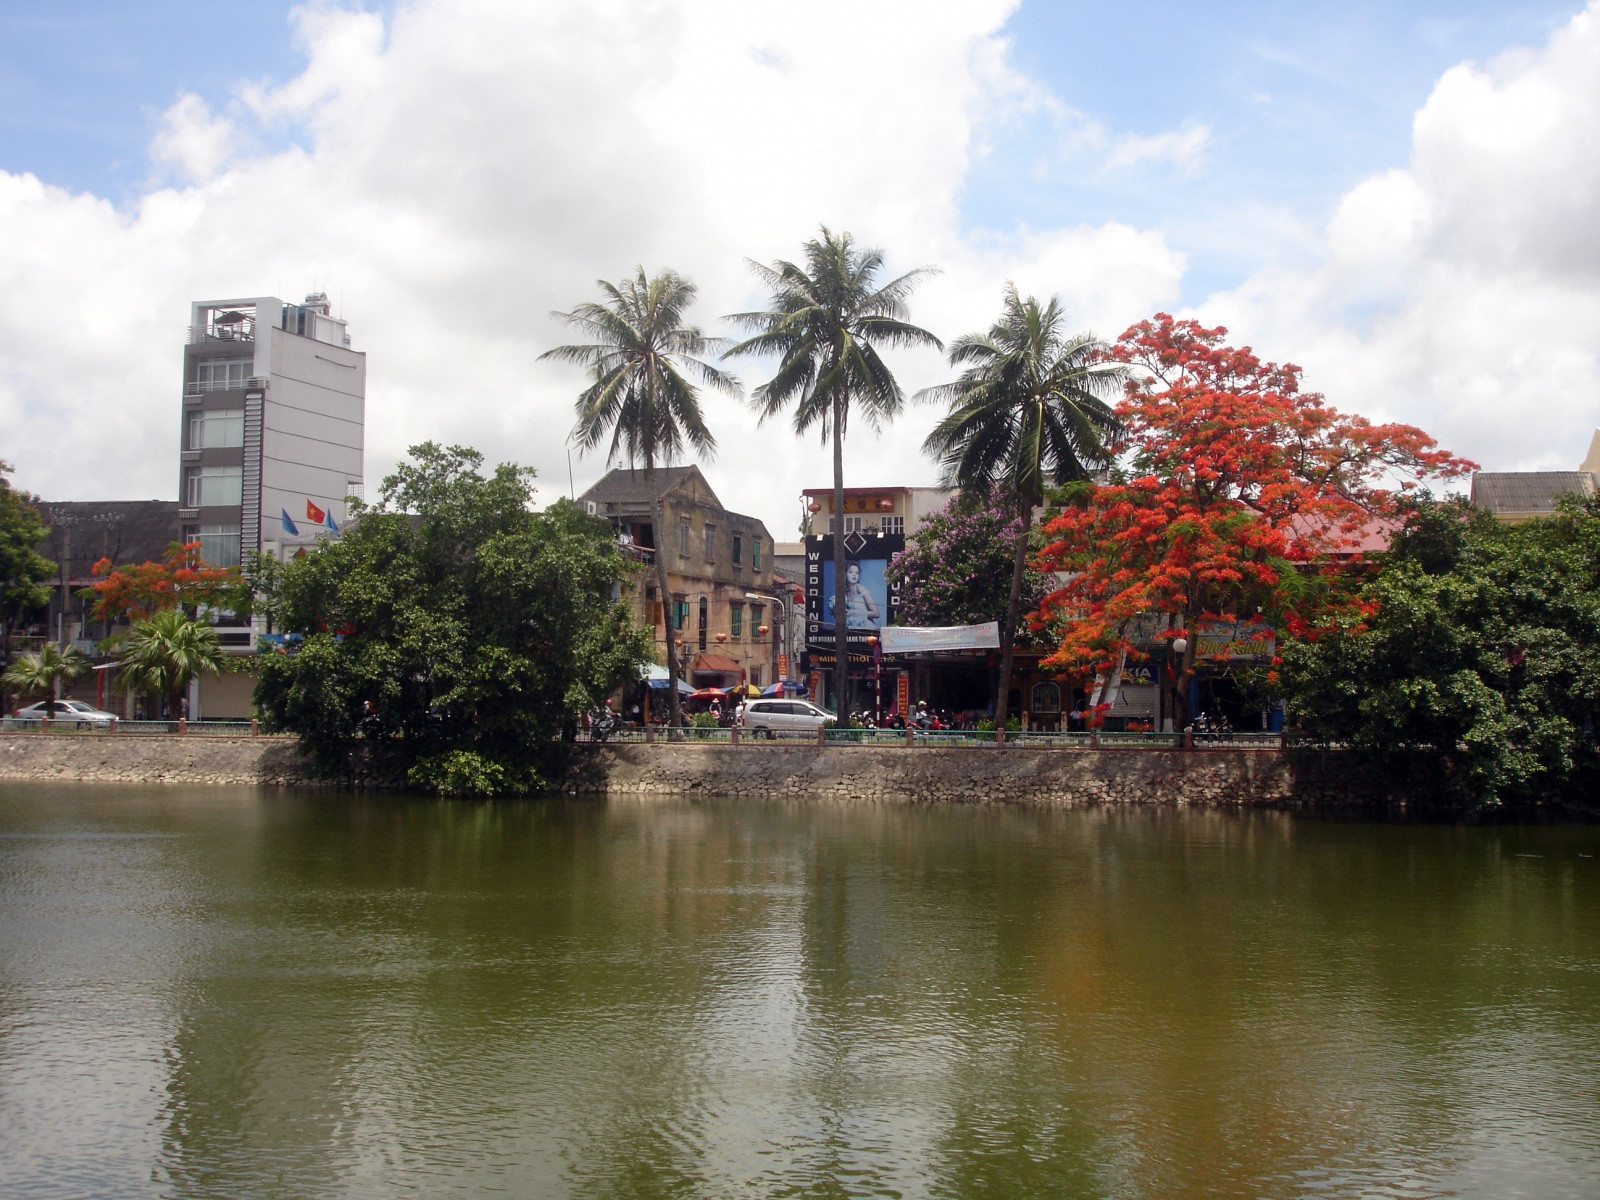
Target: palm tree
pixel 641 359
pixel 826 322
pixel 165 652
pixel 44 673
pixel 1029 409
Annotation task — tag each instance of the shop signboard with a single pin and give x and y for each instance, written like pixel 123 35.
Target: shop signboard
pixel 1239 641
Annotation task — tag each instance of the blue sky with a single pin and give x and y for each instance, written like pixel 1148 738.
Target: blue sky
pixel 1402 198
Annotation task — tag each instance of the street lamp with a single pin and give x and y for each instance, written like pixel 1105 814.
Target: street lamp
pixel 786 637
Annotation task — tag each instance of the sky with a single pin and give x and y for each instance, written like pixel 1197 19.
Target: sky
pixel 1402 199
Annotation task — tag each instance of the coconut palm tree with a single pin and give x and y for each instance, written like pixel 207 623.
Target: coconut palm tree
pixel 642 358
pixel 43 673
pixel 164 653
pixel 1029 410
pixel 826 323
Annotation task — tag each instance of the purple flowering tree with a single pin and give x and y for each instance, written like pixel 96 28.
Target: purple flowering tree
pixel 956 568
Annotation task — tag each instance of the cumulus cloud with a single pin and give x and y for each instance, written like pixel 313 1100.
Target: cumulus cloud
pixel 1462 293
pixel 452 177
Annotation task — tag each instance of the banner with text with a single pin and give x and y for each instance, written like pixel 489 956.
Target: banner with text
pixel 911 639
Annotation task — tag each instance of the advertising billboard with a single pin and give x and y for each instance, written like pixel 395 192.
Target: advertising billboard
pixel 871 601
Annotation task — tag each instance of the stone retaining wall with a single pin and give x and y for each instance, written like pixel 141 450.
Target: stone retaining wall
pixel 1012 775
pixel 990 775
pixel 151 758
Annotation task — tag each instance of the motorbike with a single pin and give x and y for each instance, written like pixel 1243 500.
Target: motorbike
pixel 603 725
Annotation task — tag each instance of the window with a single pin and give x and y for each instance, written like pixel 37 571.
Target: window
pixel 680 613
pixel 755 554
pixel 852 524
pixel 683 538
pixel 738 551
pixel 211 430
pixel 219 545
pixel 221 374
pixel 755 621
pixel 705 613
pixel 711 543
pixel 894 524
pixel 736 620
pixel 215 485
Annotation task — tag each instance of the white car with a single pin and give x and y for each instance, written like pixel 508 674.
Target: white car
pixel 770 718
pixel 68 713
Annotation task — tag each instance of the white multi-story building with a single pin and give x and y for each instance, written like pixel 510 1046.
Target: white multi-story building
pixel 274 407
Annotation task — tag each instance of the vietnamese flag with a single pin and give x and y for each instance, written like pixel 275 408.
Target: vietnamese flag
pixel 313 513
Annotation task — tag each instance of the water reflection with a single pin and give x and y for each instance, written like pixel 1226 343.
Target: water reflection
pixel 231 994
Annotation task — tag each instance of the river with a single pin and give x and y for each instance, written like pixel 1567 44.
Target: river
pixel 241 993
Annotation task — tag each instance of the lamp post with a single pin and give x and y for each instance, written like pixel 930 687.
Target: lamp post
pixel 784 638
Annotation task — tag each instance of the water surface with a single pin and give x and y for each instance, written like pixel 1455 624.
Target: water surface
pixel 214 993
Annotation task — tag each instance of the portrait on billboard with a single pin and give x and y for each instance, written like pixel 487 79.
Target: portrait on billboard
pixel 866 593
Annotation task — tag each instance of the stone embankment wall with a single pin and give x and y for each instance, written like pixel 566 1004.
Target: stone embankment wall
pixel 1012 775
pixel 150 758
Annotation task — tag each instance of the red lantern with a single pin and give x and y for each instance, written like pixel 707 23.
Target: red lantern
pixel 761 630
pixel 722 637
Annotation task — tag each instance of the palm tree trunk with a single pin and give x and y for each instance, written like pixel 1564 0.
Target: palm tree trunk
pixel 1008 631
pixel 841 624
pixel 674 704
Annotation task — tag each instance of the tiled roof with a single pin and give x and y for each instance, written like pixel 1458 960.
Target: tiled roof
pixel 1528 491
pixel 627 485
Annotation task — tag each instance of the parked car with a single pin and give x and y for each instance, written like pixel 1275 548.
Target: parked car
pixel 768 718
pixel 69 713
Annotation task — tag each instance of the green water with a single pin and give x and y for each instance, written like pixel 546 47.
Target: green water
pixel 240 994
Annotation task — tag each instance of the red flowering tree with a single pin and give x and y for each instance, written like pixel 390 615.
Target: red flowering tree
pixel 182 578
pixel 1241 498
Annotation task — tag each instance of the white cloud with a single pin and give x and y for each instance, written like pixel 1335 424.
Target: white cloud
pixel 1463 293
pixel 454 177
pixel 192 141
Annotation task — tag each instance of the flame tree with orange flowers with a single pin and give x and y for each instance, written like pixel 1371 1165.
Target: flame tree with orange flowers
pixel 1239 497
pixel 182 579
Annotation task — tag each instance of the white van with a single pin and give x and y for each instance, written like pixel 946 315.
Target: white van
pixel 775 717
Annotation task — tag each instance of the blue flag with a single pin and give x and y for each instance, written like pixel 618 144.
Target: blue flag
pixel 330 523
pixel 289 525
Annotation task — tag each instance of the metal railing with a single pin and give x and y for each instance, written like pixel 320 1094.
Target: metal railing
pixel 62 725
pixel 953 738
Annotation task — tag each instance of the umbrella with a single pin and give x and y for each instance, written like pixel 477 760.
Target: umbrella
pixel 709 694
pixel 784 687
pixel 745 689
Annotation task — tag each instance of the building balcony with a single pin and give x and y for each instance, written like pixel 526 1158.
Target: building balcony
pixel 238 333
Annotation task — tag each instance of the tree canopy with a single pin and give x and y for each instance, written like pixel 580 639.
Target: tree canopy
pixel 452 629
pixel 1478 649
pixel 1240 496
pixel 23 570
pixel 182 579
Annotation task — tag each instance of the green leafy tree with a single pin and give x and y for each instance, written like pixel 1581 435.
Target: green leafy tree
pixel 1029 412
pixel 164 653
pixel 23 570
pixel 45 672
pixel 1476 651
pixel 826 323
pixel 451 628
pixel 643 360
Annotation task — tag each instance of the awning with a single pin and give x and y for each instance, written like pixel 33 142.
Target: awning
pixel 711 663
pixel 662 684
